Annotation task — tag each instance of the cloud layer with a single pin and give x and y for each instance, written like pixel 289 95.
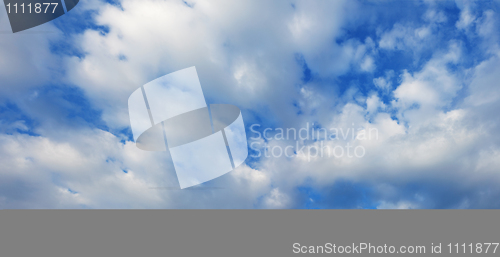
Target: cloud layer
pixel 423 75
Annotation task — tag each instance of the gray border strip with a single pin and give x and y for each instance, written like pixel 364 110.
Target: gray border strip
pixel 234 232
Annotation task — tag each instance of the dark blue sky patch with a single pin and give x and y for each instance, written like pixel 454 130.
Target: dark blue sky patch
pixel 190 5
pixel 122 57
pixel 76 22
pixel 306 72
pixel 72 24
pixel 14 120
pixel 124 134
pixel 342 194
pixel 297 107
pixel 70 106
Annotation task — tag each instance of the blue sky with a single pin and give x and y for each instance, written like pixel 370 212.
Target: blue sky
pixel 423 73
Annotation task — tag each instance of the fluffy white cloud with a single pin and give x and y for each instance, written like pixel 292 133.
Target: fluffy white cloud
pixel 239 50
pixel 438 126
